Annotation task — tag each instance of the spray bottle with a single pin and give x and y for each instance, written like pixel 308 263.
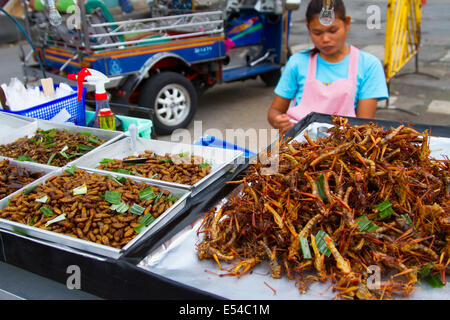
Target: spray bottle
pixel 98 79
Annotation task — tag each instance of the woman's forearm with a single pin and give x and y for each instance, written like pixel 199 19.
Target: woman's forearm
pixel 277 114
pixel 366 108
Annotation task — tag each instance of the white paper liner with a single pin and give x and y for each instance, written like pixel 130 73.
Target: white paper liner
pixel 177 260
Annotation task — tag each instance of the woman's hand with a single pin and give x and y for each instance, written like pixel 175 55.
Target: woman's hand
pixel 277 114
pixel 282 122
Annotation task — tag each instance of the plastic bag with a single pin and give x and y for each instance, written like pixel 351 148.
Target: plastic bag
pixel 20 98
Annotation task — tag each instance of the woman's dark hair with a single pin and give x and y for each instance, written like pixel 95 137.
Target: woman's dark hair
pixel 315 7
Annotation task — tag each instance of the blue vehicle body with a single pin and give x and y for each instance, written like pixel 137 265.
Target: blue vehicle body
pixel 204 47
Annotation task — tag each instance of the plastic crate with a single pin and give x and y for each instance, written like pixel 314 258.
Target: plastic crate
pixel 50 109
pixel 144 126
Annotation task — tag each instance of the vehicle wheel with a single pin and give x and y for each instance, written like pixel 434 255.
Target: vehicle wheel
pixel 173 99
pixel 270 78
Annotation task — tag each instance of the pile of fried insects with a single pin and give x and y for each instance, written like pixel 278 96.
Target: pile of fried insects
pixel 179 168
pixel 361 197
pixel 90 206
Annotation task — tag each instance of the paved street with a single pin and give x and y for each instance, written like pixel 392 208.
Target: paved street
pixel 245 104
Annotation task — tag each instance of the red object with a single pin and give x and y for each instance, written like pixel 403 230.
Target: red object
pixel 79 77
pixel 105 112
pixel 424 2
pixel 101 96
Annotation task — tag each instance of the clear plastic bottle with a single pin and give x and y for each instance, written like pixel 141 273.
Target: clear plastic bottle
pixel 106 119
pixel 99 105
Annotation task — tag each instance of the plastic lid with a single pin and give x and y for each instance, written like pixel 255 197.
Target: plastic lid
pixel 105 112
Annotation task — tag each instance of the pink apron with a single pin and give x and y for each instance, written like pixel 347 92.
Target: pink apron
pixel 338 98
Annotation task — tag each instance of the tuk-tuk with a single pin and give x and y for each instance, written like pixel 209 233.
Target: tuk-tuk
pixel 161 54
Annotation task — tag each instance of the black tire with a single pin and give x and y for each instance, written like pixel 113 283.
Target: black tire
pixel 165 85
pixel 270 78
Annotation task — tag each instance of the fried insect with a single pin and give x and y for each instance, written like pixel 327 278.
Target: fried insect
pixel 13 178
pixel 53 147
pixel 101 210
pixel 179 168
pixel 362 196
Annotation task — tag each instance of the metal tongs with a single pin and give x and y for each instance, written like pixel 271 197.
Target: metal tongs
pixel 133 135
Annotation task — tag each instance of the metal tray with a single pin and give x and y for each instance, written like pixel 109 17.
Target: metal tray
pixel 221 160
pixel 30 166
pixel 81 245
pixel 10 122
pixel 30 128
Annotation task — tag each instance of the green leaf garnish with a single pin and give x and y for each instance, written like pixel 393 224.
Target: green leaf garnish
pixel 113 197
pixel 147 219
pixel 49 131
pixel 147 194
pixel 407 219
pixel 24 158
pixel 425 270
pixel 52 156
pixel 43 199
pixel 116 179
pixel 172 198
pixel 434 281
pixel 321 244
pixel 71 170
pixel 137 209
pixel 83 147
pixel 80 190
pixel 385 209
pixel 59 218
pixel 365 225
pixel 321 188
pixel 47 211
pixel 305 248
pixel 93 140
pixel 139 228
pixel 106 161
pixel 30 190
pixel 122 207
pixel 85 133
pixel 204 165
pixel 159 196
pixel 120 170
pixel 47 146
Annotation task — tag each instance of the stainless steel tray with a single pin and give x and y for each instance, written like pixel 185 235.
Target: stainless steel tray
pixel 221 160
pixel 63 241
pixel 29 130
pixel 8 122
pixel 30 166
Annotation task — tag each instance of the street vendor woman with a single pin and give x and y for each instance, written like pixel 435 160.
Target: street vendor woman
pixel 333 78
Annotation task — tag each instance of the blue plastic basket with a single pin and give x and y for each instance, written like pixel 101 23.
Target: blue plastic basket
pixel 47 111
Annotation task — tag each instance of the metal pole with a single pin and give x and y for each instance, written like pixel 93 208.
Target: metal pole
pixel 84 27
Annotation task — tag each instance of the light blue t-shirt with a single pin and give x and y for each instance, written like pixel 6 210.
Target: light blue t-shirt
pixel 370 84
